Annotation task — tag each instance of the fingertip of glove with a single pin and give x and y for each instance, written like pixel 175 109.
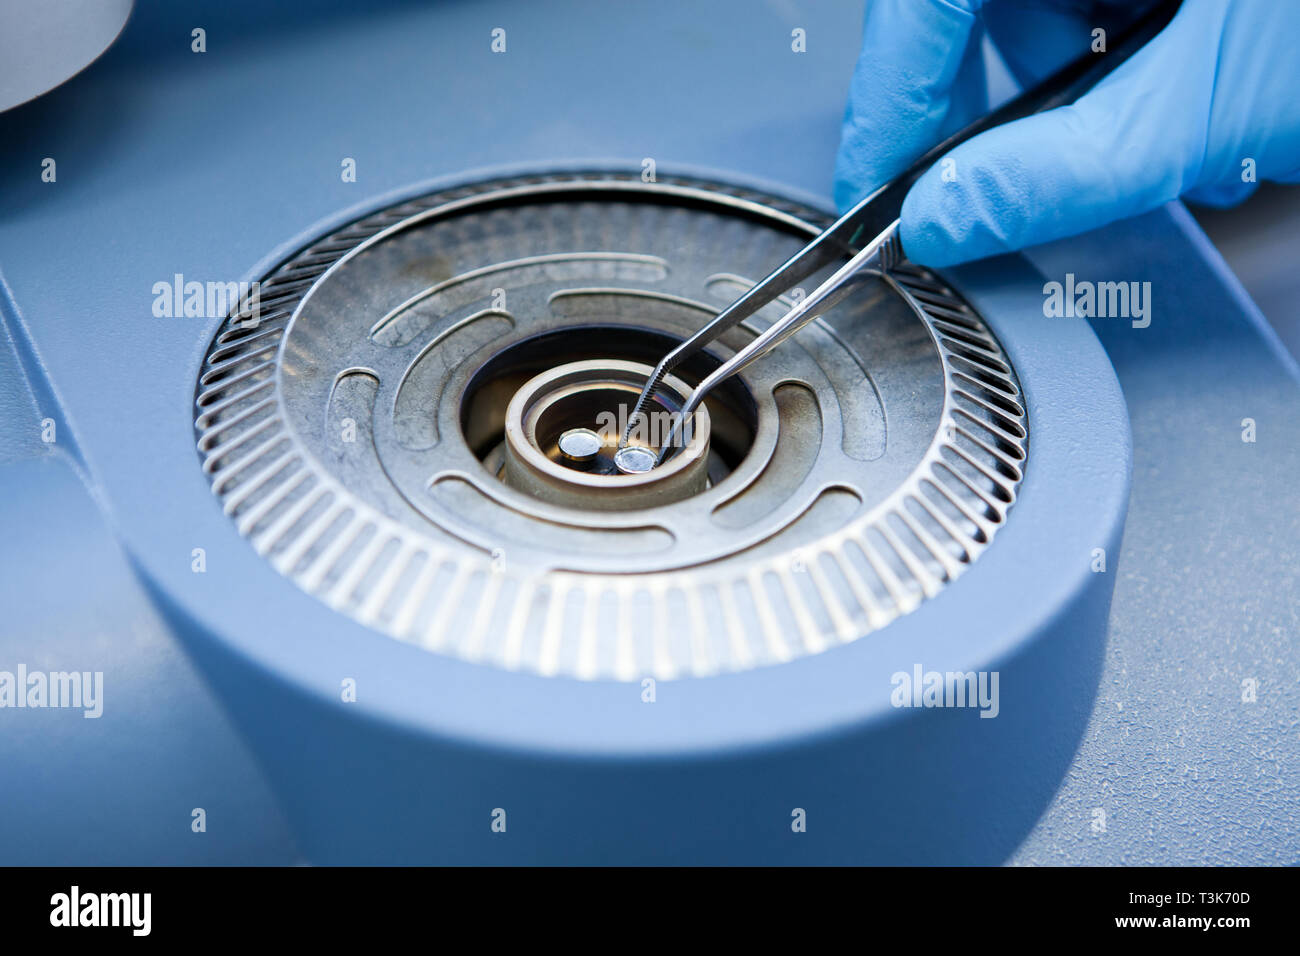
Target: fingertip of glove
pixel 926 227
pixel 984 211
pixel 852 177
pixel 845 193
pixel 1221 195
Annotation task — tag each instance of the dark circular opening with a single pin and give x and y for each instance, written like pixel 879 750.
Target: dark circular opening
pixel 732 409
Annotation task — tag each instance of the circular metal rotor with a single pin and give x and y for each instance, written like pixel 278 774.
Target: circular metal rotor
pixel 354 430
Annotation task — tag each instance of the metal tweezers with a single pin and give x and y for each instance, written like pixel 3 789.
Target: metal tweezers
pixel 875 217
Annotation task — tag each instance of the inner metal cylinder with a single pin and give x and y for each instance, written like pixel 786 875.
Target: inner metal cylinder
pixel 552 410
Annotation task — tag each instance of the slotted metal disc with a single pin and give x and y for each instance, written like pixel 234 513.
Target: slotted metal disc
pixel 351 430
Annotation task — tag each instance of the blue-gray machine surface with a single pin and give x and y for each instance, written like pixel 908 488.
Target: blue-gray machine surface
pixel 1138 604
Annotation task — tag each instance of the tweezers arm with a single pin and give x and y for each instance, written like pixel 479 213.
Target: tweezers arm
pixel 883 251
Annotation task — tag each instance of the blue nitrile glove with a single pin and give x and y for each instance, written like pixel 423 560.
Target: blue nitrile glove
pixel 1208 106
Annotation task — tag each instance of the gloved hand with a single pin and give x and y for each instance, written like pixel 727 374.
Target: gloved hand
pixel 1219 87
